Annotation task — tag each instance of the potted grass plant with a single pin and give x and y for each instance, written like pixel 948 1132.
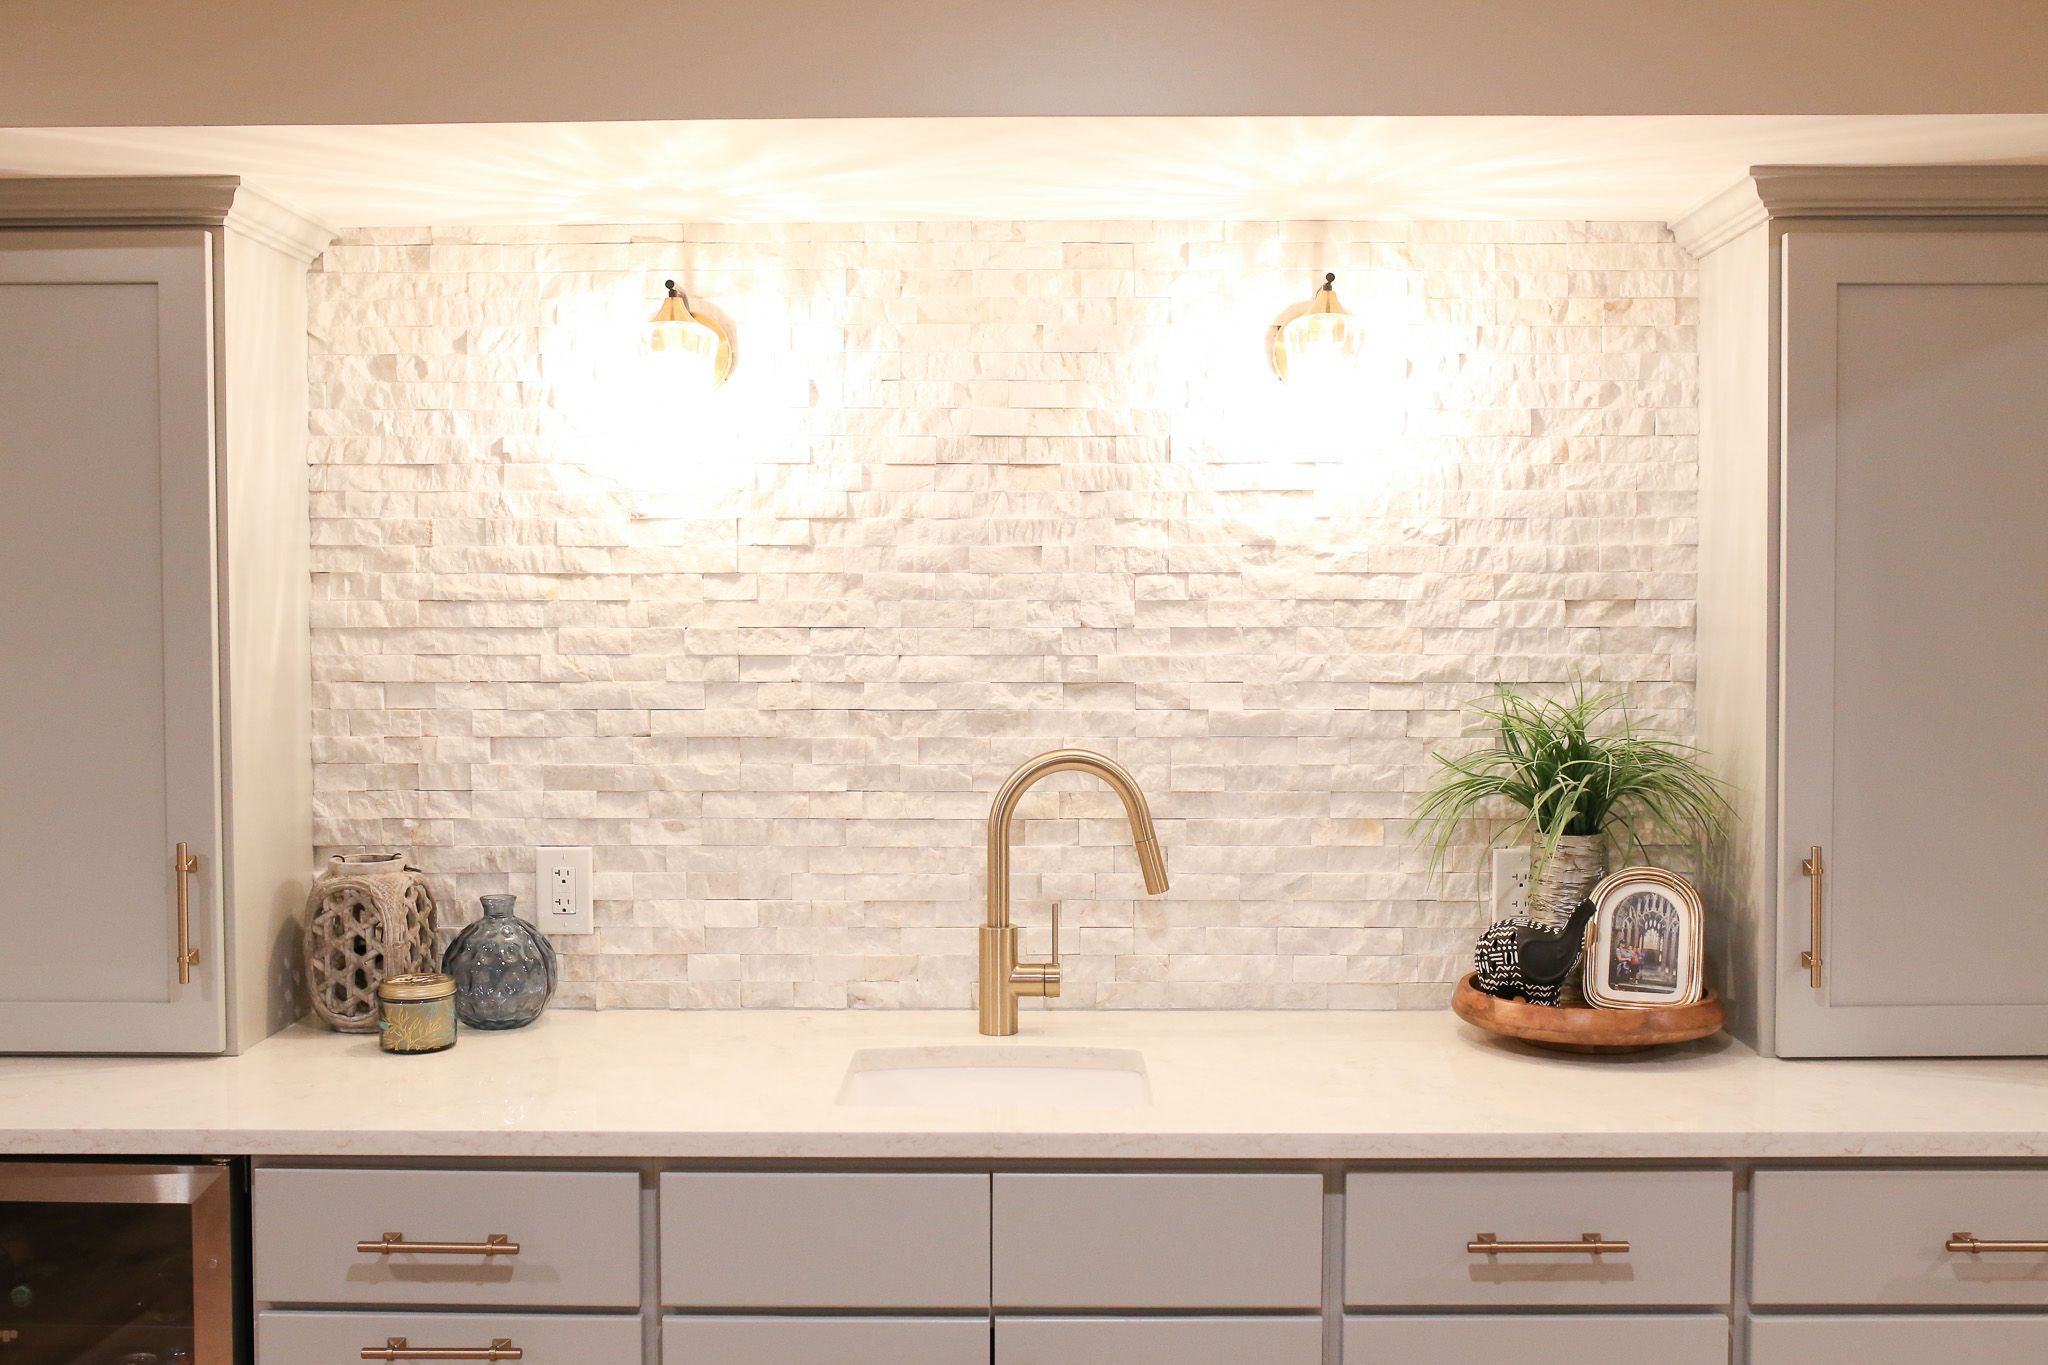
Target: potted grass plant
pixel 1579 773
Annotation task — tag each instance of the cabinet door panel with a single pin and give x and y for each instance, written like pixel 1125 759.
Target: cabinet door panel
pixel 1159 1341
pixel 1915 585
pixel 824 1240
pixel 1897 1341
pixel 1202 1242
pixel 578 1234
pixel 1880 1238
pixel 1619 1340
pixel 541 1338
pixel 109 741
pixel 1407 1236
pixel 815 1340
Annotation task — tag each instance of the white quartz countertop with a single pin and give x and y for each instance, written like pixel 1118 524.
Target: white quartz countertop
pixel 1321 1086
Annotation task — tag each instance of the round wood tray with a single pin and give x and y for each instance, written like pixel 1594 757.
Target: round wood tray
pixel 1587 1030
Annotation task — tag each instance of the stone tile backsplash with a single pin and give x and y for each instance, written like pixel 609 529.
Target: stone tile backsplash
pixel 977 490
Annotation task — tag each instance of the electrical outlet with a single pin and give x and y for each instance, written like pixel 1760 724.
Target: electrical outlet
pixel 562 876
pixel 1510 882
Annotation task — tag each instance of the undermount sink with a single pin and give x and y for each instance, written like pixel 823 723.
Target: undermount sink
pixel 994 1077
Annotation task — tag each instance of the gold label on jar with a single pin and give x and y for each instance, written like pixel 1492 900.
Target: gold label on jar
pixel 417 1025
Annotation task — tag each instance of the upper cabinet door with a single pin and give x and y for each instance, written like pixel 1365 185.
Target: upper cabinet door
pixel 109 752
pixel 1915 644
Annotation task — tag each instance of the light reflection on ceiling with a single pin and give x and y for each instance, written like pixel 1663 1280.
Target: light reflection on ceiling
pixel 871 170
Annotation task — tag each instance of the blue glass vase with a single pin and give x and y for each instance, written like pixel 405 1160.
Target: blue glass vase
pixel 504 969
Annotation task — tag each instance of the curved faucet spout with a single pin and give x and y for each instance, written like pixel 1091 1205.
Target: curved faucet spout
pixel 1003 976
pixel 1119 780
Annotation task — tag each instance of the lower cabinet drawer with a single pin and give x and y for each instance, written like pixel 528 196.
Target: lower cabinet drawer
pixel 1206 1243
pixel 765 1240
pixel 1410 1239
pixel 577 1234
pixel 540 1338
pixel 1159 1341
pixel 1880 1238
pixel 1959 1337
pixel 1530 1340
pixel 820 1340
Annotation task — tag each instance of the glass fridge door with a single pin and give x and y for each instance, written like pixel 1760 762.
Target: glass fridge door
pixel 116 1265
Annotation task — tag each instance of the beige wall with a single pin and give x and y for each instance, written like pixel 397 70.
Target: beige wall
pixel 132 62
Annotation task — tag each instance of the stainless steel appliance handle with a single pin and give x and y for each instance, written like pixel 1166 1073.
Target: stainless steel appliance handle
pixel 63 1182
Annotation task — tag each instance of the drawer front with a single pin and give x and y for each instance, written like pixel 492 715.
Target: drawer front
pixel 1159 1341
pixel 816 1341
pixel 542 1338
pixel 1965 1338
pixel 1406 1235
pixel 1880 1237
pixel 578 1236
pixel 1526 1340
pixel 747 1240
pixel 1205 1242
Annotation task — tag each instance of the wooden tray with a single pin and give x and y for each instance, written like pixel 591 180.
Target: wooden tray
pixel 1587 1030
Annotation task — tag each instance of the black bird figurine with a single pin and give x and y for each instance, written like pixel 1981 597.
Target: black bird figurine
pixel 1531 960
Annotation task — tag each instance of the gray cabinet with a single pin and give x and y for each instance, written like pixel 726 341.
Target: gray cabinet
pixel 1585 1339
pixel 540 1338
pixel 1206 1243
pixel 821 1240
pixel 1873 583
pixel 1159 1341
pixel 1882 1238
pixel 1897 1340
pixel 320 1238
pixel 1915 604
pixel 109 737
pixel 811 1340
pixel 1409 1235
pixel 153 539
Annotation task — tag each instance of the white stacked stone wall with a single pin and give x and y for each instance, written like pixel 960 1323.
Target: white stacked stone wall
pixel 976 490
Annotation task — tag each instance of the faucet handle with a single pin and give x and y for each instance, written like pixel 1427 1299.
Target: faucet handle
pixel 1041 978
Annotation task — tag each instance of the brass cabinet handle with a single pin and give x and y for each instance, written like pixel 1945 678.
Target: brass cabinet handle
pixel 1816 872
pixel 1963 1241
pixel 497 1244
pixel 1589 1244
pixel 394 1348
pixel 185 865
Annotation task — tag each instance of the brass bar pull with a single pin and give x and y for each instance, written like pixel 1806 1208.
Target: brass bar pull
pixel 1816 872
pixel 1589 1244
pixel 188 957
pixel 1963 1241
pixel 394 1348
pixel 497 1244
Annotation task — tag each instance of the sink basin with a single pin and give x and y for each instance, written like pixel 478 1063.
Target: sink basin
pixel 997 1077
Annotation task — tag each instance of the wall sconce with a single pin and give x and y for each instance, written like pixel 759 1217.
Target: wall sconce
pixel 695 349
pixel 1320 342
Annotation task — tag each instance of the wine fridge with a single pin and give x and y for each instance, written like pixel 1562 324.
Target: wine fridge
pixel 106 1264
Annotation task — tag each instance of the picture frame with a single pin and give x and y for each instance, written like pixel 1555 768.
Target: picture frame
pixel 1645 948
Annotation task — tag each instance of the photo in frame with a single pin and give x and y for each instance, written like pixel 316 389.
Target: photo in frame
pixel 1646 946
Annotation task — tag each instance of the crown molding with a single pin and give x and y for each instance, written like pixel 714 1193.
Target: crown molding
pixel 1721 219
pixel 1863 192
pixel 160 201
pixel 1901 191
pixel 279 225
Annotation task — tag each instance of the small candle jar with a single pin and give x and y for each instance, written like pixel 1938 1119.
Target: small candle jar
pixel 416 1012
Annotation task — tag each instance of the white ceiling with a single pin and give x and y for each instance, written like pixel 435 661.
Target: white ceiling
pixel 1016 168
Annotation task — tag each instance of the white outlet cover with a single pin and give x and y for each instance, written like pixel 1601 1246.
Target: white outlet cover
pixel 1511 867
pixel 561 878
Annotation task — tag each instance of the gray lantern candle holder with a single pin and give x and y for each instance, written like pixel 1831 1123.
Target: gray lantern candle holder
pixel 369 917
